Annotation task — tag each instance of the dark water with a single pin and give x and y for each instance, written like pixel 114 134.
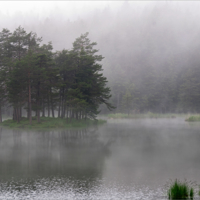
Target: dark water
pixel 123 159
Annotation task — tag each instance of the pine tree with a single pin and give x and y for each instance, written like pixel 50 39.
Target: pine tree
pixel 89 83
pixel 65 62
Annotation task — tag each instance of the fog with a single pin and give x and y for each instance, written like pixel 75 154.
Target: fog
pixel 150 48
pixel 115 20
pixel 151 61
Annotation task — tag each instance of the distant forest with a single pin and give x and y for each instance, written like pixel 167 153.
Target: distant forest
pixel 152 54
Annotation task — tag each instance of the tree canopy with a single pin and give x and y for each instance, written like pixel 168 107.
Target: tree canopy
pixel 34 78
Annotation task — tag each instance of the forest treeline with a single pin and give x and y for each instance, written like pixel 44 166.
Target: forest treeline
pixel 154 62
pixel 151 51
pixel 34 78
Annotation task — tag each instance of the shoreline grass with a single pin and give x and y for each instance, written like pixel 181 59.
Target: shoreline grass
pixel 193 118
pixel 180 190
pixel 50 123
pixel 144 115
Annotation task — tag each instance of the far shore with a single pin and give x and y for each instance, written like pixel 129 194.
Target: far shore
pixel 151 115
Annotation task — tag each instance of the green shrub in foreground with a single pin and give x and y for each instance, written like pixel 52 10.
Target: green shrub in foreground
pixel 180 190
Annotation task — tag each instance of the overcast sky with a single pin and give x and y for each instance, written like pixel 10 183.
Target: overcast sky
pixel 70 9
pixel 44 8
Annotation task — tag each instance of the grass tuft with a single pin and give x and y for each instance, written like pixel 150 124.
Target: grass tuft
pixel 180 190
pixel 191 193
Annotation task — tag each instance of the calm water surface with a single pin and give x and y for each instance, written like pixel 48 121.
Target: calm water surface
pixel 123 159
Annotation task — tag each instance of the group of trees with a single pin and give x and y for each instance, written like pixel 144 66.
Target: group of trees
pixel 34 78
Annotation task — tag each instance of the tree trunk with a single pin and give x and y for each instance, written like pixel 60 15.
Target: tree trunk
pixel 118 101
pixel 17 114
pixel 48 108
pixel 59 106
pixel 52 108
pixel 67 114
pixel 13 113
pixel 43 108
pixel 82 115
pixel 28 110
pixel 20 112
pixel 59 109
pixel 62 108
pixel 38 112
pixel 38 102
pixel 38 116
pixel 30 106
pixel 70 115
pixel 0 114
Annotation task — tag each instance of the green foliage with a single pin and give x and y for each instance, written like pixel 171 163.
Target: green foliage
pixel 191 193
pixel 145 115
pixel 38 80
pixel 194 118
pixel 180 190
pixel 89 84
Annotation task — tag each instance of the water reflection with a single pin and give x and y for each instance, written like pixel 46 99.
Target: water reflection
pixel 123 159
pixel 150 152
pixel 74 154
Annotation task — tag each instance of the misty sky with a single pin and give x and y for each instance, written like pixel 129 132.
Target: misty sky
pixel 71 9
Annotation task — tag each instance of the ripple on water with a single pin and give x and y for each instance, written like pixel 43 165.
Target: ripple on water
pixel 70 189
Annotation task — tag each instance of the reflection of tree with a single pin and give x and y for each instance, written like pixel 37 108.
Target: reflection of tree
pixel 0 132
pixel 75 153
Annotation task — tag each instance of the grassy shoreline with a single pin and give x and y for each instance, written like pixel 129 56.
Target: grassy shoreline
pixel 144 115
pixel 193 118
pixel 188 117
pixel 50 123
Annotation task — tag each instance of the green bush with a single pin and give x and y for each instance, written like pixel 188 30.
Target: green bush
pixel 180 190
pixel 194 118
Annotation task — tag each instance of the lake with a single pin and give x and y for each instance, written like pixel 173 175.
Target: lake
pixel 123 159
